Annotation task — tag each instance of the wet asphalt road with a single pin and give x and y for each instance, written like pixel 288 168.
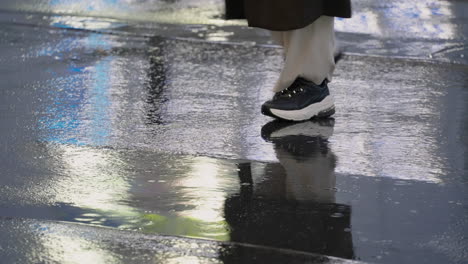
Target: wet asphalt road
pixel 155 130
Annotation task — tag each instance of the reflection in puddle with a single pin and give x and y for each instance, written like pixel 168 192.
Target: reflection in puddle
pixel 290 202
pixel 70 22
pixel 103 187
pixel 219 35
pixel 160 101
pixel 76 250
pixel 292 205
pixel 80 107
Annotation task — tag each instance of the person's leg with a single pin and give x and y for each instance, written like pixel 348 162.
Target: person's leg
pixel 301 91
pixel 280 38
pixel 309 53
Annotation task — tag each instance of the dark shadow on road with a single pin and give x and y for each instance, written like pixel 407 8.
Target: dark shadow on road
pixel 157 78
pixel 293 206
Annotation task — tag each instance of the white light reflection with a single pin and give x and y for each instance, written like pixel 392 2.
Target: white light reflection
pixel 73 6
pixel 57 243
pixel 189 260
pixel 72 250
pixel 83 23
pixel 219 36
pixel 200 192
pixel 208 199
pixel 94 180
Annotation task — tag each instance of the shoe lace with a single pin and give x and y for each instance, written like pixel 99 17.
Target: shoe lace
pixel 296 88
pixel 291 91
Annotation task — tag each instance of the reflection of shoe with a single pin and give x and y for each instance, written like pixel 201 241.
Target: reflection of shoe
pixel 303 100
pixel 277 129
pixel 301 140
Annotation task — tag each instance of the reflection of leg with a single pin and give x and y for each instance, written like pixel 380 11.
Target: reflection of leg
pixel 301 91
pixel 305 219
pixel 308 53
pixel 280 38
pixel 245 178
pixel 312 179
pixel 245 173
pixel 277 37
pixel 303 151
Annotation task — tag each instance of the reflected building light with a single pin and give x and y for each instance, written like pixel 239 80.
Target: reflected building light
pixel 364 22
pixel 219 36
pixel 424 19
pixel 70 22
pixel 71 250
pixel 78 115
pixel 95 179
pixel 203 191
pixel 61 122
pixel 98 106
pixel 188 12
pixel 208 201
pixel 419 18
pixel 73 6
pixel 186 260
pixel 80 110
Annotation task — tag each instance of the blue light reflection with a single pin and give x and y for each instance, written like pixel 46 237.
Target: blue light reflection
pixel 79 111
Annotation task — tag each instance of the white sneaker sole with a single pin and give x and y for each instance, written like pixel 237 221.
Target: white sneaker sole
pixel 324 108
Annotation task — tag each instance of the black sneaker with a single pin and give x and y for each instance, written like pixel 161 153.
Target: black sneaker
pixel 303 100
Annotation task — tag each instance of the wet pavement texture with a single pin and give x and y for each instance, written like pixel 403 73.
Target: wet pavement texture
pixel 427 19
pixel 135 136
pixel 428 30
pixel 26 241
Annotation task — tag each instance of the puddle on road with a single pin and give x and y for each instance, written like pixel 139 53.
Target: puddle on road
pixel 87 23
pixel 70 243
pixel 116 132
pixel 298 203
pixel 200 197
pixel 156 97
